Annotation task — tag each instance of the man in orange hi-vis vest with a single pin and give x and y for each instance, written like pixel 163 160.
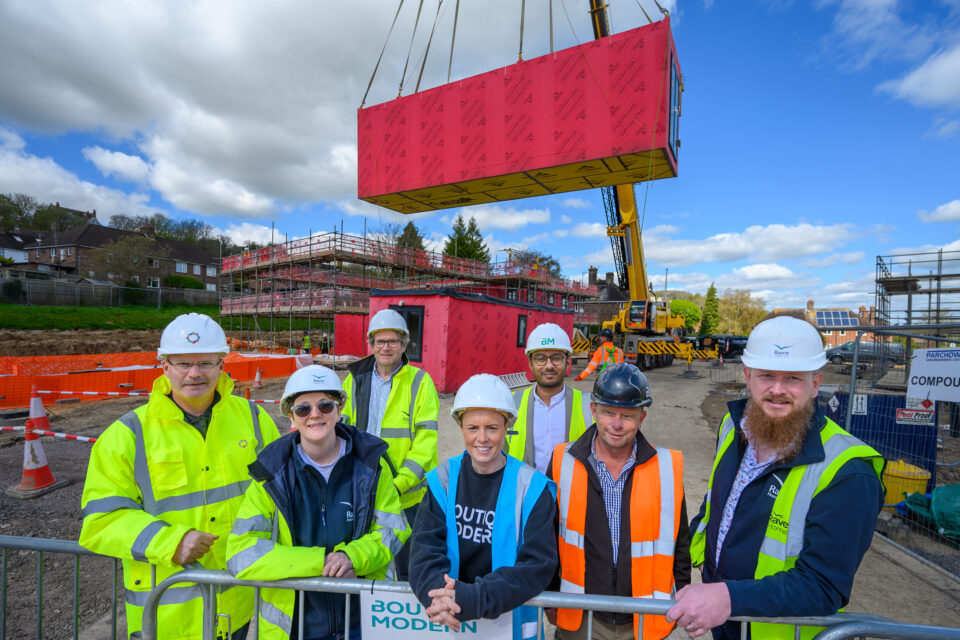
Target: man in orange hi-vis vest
pixel 607 354
pixel 626 497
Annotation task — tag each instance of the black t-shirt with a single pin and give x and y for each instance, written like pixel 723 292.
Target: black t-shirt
pixel 474 511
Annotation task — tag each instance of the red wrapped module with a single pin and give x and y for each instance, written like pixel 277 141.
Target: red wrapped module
pixel 598 114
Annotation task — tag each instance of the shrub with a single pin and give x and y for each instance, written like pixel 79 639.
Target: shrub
pixel 175 281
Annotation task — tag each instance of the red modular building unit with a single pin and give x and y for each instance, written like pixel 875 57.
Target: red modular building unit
pixel 602 113
pixel 454 335
pixel 350 330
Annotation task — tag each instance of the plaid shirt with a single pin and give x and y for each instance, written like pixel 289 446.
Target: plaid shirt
pixel 612 491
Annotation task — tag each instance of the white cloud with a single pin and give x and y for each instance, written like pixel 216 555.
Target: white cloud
pixel 548 236
pixel 565 219
pixel 247 231
pixel 497 217
pixel 10 140
pixel 115 163
pixel 852 257
pixel 943 128
pixel 575 203
pixel 589 230
pixel 935 83
pixel 948 212
pixel 868 30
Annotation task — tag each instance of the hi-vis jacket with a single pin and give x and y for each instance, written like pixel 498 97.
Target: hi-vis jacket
pixel 409 424
pixel 520 489
pixel 261 544
pixel 152 478
pixel 799 531
pixel 577 418
pixel 655 507
pixel 606 354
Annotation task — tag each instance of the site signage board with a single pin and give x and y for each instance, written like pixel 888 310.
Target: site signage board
pixel 935 375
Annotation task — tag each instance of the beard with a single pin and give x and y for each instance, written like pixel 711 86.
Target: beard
pixel 784 435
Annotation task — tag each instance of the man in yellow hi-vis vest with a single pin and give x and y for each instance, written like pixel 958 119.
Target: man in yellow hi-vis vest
pixel 607 354
pixel 165 482
pixel 791 501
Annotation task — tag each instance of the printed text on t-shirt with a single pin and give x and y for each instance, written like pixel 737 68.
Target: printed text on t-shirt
pixel 474 524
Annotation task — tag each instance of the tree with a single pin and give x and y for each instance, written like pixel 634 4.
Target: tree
pixel 466 241
pixel 689 311
pixel 739 311
pixel 711 312
pixel 53 218
pixel 411 237
pixel 543 262
pixel 127 259
pixel 16 211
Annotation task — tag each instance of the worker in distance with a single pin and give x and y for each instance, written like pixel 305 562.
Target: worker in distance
pixel 606 354
pixel 469 556
pixel 549 411
pixel 309 513
pixel 792 499
pixel 388 397
pixel 622 516
pixel 166 480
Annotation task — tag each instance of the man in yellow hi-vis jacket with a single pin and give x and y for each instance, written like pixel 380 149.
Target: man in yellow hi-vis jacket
pixel 165 482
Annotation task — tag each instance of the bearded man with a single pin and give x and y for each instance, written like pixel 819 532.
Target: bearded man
pixel 791 503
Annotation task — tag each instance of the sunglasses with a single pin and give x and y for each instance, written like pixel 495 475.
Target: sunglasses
pixel 305 409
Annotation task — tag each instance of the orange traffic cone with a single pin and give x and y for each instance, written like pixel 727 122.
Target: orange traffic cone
pixel 257 384
pixel 246 394
pixel 37 478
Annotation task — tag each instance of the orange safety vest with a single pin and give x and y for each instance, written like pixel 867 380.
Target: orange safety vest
pixel 603 356
pixel 656 495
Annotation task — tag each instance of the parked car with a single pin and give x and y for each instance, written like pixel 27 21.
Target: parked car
pixel 891 353
pixel 729 346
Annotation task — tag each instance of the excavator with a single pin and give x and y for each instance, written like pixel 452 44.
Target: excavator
pixel 644 327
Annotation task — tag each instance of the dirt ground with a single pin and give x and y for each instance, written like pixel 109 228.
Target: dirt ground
pixel 684 415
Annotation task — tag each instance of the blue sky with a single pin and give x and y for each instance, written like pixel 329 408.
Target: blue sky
pixel 815 135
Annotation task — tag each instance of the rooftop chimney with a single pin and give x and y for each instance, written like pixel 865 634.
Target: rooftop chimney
pixel 809 305
pixel 609 278
pixel 148 230
pixel 592 275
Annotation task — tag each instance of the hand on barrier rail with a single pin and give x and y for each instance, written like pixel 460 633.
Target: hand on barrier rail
pixel 444 607
pixel 700 607
pixel 338 565
pixel 193 546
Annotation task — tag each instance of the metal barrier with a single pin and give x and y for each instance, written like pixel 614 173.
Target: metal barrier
pixel 838 626
pixel 41 546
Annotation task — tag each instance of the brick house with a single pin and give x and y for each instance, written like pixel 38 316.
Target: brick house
pixel 72 253
pixel 837 324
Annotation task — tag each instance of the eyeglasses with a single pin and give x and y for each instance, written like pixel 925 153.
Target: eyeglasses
pixel 185 367
pixel 540 359
pixel 305 409
pixel 380 344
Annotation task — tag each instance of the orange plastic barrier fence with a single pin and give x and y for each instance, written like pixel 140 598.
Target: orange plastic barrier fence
pixel 51 365
pixel 15 389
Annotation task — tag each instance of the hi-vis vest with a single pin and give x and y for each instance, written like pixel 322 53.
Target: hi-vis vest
pixel 781 544
pixel 605 355
pixel 520 489
pixel 656 495
pixel 151 479
pixel 576 419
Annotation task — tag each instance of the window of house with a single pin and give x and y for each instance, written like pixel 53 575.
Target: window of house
pixel 211 287
pixel 522 330
pixel 111 257
pixel 135 278
pixel 38 253
pixel 211 272
pixel 110 275
pixel 43 267
pixel 63 254
pixel 511 294
pixel 153 282
pixel 196 269
pixel 413 315
pixel 154 263
pixel 565 302
pixel 92 274
pixel 550 299
pixel 134 259
pixel 53 253
pixel 181 267
pixel 69 251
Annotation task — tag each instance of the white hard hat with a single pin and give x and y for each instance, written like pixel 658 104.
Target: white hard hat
pixel 784 344
pixel 484 391
pixel 192 333
pixel 387 319
pixel 548 336
pixel 307 380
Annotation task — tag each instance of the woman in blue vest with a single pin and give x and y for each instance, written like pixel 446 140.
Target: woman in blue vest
pixel 484 540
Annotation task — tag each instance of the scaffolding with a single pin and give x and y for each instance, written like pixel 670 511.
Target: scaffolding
pixel 314 278
pixel 918 288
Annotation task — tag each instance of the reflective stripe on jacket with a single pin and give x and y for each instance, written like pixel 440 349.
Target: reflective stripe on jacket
pixel 520 489
pixel 152 478
pixel 656 496
pixel 576 419
pixel 785 530
pixel 260 545
pixel 409 424
pixel 606 354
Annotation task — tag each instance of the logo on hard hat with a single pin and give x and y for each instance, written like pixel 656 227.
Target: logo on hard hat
pixel 547 341
pixel 778 351
pixel 193 337
pixel 318 379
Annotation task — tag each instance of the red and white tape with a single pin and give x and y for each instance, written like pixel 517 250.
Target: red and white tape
pixel 99 393
pixel 65 436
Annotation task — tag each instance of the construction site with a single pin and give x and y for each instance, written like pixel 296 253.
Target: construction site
pixel 310 300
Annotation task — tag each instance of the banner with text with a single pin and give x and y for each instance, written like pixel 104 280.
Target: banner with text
pixel 935 375
pixel 400 616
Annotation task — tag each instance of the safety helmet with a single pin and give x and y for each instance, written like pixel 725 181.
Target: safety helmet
pixel 192 333
pixel 387 319
pixel 784 344
pixel 622 385
pixel 607 335
pixel 484 391
pixel 548 336
pixel 310 379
